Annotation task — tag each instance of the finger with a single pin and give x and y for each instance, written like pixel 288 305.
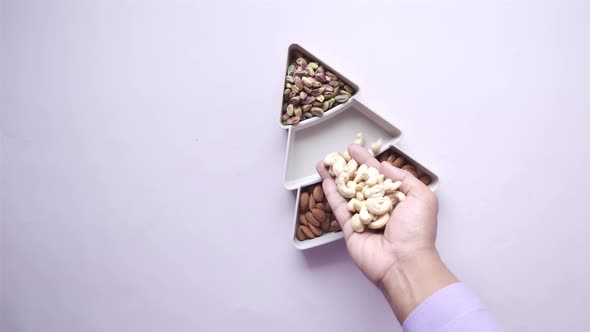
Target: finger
pixel 362 156
pixel 339 206
pixel 322 170
pixel 410 185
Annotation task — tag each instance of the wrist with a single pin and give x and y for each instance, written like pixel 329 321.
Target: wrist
pixel 413 279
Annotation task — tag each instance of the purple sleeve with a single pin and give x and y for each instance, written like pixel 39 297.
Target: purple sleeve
pixel 453 308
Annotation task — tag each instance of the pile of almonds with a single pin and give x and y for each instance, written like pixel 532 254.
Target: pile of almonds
pixel 310 90
pixel 397 160
pixel 315 215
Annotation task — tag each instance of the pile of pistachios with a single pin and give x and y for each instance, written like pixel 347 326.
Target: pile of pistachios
pixel 310 90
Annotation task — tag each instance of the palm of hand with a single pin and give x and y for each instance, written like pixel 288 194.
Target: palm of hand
pixel 411 227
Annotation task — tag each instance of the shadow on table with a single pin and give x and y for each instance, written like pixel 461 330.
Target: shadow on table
pixel 331 253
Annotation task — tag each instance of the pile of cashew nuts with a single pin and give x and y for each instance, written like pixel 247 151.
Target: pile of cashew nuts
pixel 371 197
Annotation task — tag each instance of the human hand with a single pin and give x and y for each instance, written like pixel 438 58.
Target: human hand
pixel 406 248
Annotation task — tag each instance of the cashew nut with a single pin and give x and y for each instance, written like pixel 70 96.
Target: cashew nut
pixel 346 156
pixel 380 179
pixel 399 196
pixel 360 139
pixel 364 215
pixel 354 205
pixel 356 224
pixel 331 158
pixel 360 196
pixel 351 166
pixel 376 146
pixel 343 178
pixel 338 166
pixel 374 191
pixel 379 205
pixel 379 222
pixel 391 186
pixel 373 176
pixel 361 174
pixel 346 190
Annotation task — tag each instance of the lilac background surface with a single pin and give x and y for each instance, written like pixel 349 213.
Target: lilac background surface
pixel 142 164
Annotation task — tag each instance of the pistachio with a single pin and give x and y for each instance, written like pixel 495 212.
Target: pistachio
pixel 292 94
pixel 337 90
pixel 290 109
pixel 302 95
pixel 307 89
pixel 317 111
pixel 306 108
pixel 344 92
pixel 320 77
pixel 326 105
pixel 317 104
pixel 285 117
pixel 342 98
pixel 332 76
pixel 316 84
pixel 328 95
pixel 290 70
pixel 298 83
pixel 313 65
pixel 293 121
pixel 287 92
pixel 297 111
pixel 328 87
pixel 294 88
pixel 289 79
pixel 310 71
pixel 331 101
pixel 308 100
pixel 334 83
pixel 320 70
pixel 348 88
pixel 295 100
pixel 300 72
pixel 316 92
pixel 307 115
pixel 320 98
pixel 300 61
pixel 307 81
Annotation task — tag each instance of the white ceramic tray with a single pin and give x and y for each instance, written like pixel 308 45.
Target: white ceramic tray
pixel 309 141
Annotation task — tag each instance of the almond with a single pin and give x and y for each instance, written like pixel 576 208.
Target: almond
pixel 334 226
pixel 299 234
pixel 302 219
pixel 399 162
pixel 328 207
pixel 425 179
pixel 318 193
pixel 391 158
pixel 307 232
pixel 320 206
pixel 303 201
pixel 316 231
pixel 384 155
pixel 311 202
pixel 325 225
pixel 311 219
pixel 408 166
pixel 318 214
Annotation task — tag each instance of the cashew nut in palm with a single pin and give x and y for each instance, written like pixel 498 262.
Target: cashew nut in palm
pixel 381 179
pixel 360 139
pixel 373 176
pixel 346 156
pixel 346 192
pixel 379 205
pixel 361 174
pixel 399 196
pixel 360 196
pixel 380 222
pixel 351 166
pixel 356 224
pixel 374 191
pixel 330 158
pixel 376 146
pixel 391 186
pixel 365 216
pixel 339 165
pixel 354 205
